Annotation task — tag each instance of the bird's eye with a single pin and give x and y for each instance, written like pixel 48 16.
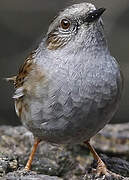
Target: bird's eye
pixel 65 24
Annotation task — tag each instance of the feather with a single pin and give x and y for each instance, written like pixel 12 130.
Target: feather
pixel 10 79
pixel 18 93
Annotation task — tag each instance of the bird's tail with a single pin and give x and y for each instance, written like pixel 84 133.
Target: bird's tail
pixel 11 79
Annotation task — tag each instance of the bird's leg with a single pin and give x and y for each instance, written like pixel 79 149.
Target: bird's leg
pixel 101 167
pixel 29 162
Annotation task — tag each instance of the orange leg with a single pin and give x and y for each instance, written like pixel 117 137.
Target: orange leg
pixel 101 167
pixel 29 162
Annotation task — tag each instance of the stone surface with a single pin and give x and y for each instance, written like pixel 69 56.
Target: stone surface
pixel 63 163
pixel 113 139
pixel 19 175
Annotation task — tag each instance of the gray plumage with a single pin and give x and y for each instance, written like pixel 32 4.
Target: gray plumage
pixel 82 85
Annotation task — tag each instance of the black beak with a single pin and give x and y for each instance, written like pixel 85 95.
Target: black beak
pixel 92 16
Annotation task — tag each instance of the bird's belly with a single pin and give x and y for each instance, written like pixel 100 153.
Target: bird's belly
pixel 61 125
pixel 73 110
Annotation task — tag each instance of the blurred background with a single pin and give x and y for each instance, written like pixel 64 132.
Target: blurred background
pixel 23 23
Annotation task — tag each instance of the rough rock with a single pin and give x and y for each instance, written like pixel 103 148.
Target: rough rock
pixel 20 175
pixel 53 162
pixel 113 139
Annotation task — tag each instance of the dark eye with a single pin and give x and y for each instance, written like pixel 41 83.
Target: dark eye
pixel 65 24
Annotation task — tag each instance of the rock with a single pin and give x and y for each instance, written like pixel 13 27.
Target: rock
pixel 57 162
pixel 7 163
pixel 113 139
pixel 20 175
pixel 117 165
pixel 110 177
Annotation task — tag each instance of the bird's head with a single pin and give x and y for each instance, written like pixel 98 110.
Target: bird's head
pixel 73 24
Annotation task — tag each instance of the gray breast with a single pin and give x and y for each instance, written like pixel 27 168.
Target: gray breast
pixel 82 97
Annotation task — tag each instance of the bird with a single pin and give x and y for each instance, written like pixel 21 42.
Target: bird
pixel 70 86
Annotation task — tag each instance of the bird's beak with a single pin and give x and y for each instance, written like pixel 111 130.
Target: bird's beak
pixel 92 16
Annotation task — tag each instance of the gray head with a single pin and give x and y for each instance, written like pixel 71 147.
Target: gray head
pixel 76 23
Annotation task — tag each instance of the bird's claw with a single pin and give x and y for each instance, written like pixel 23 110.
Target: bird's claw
pixel 101 168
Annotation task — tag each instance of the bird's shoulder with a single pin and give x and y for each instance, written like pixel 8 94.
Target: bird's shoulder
pixel 24 70
pixel 29 77
pixel 28 84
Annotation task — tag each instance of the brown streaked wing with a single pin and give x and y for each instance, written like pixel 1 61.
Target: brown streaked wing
pixel 24 71
pixel 19 81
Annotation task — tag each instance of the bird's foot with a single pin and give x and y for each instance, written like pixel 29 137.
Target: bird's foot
pixel 26 168
pixel 101 169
